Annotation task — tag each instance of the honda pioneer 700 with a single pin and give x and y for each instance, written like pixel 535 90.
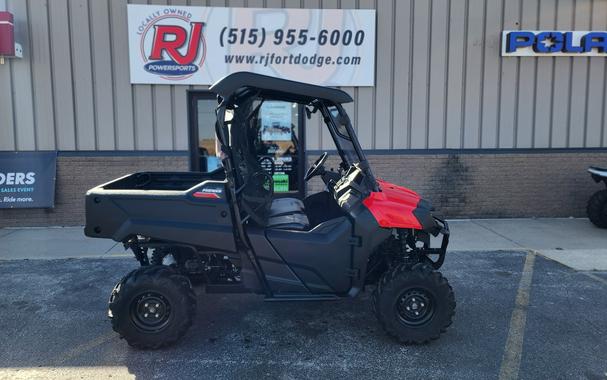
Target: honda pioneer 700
pixel 226 230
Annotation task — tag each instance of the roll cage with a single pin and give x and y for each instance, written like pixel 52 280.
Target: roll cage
pixel 238 89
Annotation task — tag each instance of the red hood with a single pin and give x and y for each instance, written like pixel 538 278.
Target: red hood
pixel 393 206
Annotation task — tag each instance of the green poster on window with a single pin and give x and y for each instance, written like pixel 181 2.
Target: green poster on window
pixel 281 183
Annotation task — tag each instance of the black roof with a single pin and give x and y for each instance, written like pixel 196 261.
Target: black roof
pixel 279 88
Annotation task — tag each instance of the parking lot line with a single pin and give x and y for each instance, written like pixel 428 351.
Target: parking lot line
pixel 511 360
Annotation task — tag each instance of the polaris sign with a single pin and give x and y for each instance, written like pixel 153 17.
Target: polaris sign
pixel 554 43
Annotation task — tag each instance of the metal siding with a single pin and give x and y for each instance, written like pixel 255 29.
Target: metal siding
pixel 21 72
pixel 268 3
pixel 180 117
pixel 579 80
pixel 384 74
pixel 102 75
pixel 163 125
pixel 596 89
pixel 437 97
pixel 508 84
pixel 491 74
pixel 561 82
pixel 474 71
pixel 402 85
pixel 419 83
pixel 144 120
pixel 440 80
pixel 41 75
pixel 526 82
pixel 259 4
pixel 84 101
pixel 455 73
pixel 122 90
pixel 143 110
pixel 365 107
pixel 543 89
pixel 61 68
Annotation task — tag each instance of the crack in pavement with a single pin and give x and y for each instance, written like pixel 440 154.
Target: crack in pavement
pixel 498 234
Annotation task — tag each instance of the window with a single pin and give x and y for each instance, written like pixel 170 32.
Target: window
pixel 204 148
pixel 207 144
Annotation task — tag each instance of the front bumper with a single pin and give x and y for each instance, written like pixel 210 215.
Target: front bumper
pixel 444 230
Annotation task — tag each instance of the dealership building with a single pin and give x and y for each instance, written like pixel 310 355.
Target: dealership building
pixel 448 101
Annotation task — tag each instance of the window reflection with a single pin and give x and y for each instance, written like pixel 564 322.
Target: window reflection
pixel 277 144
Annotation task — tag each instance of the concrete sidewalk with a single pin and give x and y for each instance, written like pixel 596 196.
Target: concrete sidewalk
pixel 573 242
pixel 576 243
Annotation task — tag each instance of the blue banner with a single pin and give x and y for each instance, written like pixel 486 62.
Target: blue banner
pixel 27 179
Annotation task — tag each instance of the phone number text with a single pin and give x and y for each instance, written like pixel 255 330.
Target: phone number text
pixel 258 36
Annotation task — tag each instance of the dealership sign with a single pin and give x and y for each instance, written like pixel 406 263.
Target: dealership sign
pixel 554 43
pixel 27 179
pixel 199 45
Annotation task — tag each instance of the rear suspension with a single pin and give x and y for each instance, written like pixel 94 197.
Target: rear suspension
pixel 208 266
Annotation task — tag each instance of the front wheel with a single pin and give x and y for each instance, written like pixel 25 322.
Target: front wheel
pixel 414 305
pixel 152 307
pixel 597 209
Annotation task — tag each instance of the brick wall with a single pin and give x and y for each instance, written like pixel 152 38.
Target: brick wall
pixel 75 175
pixel 460 186
pixel 493 185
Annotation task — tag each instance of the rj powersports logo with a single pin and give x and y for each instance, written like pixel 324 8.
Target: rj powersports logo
pixel 569 43
pixel 172 44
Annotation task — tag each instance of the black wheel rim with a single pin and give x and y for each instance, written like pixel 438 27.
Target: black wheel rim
pixel 150 312
pixel 415 307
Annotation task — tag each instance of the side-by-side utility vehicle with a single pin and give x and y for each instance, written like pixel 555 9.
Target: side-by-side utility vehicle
pixel 227 231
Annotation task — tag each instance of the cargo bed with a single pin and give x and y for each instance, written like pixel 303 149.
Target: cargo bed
pixel 184 207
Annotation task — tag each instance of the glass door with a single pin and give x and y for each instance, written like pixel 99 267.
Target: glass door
pixel 279 145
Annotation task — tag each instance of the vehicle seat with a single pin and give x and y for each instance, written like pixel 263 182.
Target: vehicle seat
pixel 288 214
pixel 298 222
pixel 285 206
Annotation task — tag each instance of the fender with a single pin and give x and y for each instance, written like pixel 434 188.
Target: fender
pixel 398 207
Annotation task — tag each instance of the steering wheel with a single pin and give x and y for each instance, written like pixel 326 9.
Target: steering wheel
pixel 317 167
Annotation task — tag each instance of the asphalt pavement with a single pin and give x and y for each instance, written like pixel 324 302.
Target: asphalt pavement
pixel 519 314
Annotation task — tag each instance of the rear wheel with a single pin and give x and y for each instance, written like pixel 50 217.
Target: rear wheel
pixel 597 209
pixel 414 305
pixel 152 307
